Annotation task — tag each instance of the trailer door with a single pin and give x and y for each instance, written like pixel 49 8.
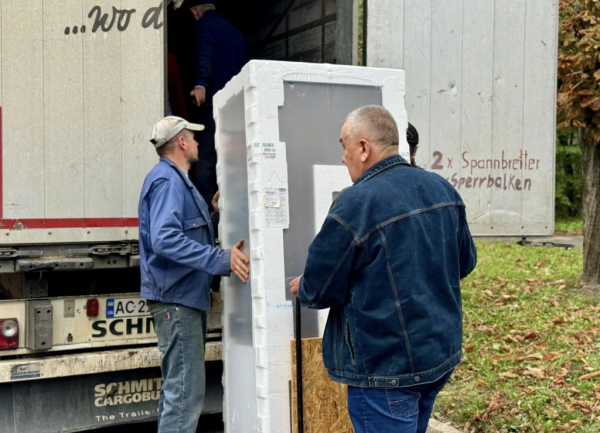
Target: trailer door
pixel 81 87
pixel 481 90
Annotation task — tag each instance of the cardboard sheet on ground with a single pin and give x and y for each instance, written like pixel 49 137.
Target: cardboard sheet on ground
pixel 279 170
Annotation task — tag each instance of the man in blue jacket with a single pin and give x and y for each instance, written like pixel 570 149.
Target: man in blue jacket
pixel 388 263
pixel 220 54
pixel 178 259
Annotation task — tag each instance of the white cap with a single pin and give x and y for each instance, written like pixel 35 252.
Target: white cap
pixel 169 127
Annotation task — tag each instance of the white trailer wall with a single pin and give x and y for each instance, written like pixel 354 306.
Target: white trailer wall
pixel 481 90
pixel 77 108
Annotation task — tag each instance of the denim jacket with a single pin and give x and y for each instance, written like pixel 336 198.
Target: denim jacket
pixel 388 262
pixel 178 256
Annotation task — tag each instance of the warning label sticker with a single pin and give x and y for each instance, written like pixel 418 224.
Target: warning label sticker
pixel 275 201
pixel 269 151
pixel 258 151
pixel 272 201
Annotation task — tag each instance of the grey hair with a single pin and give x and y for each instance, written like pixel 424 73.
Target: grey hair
pixel 375 124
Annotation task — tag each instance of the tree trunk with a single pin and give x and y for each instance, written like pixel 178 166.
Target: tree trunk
pixel 591 214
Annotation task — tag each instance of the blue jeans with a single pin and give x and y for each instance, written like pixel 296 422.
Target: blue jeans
pixel 181 333
pixel 398 410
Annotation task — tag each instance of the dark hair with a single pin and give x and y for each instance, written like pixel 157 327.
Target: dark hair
pixel 412 136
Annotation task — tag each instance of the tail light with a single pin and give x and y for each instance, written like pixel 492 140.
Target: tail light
pixel 9 334
pixel 91 307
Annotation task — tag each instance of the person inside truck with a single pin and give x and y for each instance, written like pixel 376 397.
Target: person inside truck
pixel 178 259
pixel 388 263
pixel 220 53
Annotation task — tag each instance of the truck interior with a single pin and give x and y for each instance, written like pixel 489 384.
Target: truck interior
pixel 318 31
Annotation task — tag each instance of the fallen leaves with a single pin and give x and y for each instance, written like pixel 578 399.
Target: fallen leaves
pixel 495 407
pixel 504 299
pixel 508 374
pixel 560 320
pixel 551 356
pixel 590 375
pixel 530 345
pixel 531 356
pixel 538 373
pixel 586 407
pixel 530 334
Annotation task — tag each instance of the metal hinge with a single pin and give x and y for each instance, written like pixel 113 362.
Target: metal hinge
pixel 11 253
pixel 106 250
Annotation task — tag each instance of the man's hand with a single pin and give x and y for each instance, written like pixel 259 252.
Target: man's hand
pixel 199 95
pixel 295 285
pixel 215 202
pixel 239 262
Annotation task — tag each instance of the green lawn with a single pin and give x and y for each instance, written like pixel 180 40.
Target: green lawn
pixel 570 226
pixel 531 345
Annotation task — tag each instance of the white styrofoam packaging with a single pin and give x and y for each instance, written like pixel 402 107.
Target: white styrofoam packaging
pixel 279 169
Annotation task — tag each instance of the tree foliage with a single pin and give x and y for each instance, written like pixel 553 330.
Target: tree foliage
pixel 579 67
pixel 579 107
pixel 569 175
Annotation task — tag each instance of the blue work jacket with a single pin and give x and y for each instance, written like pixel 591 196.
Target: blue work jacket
pixel 388 262
pixel 178 257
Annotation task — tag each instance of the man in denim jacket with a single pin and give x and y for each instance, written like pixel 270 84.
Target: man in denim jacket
pixel 178 259
pixel 388 262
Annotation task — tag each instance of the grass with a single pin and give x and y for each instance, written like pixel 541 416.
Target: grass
pixel 531 345
pixel 569 226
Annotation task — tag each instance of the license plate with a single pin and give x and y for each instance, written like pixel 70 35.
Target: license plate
pixel 126 307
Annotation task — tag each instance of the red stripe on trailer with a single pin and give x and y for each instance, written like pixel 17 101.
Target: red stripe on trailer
pixel 67 223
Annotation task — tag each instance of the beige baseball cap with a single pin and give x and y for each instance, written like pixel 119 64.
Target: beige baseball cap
pixel 169 127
